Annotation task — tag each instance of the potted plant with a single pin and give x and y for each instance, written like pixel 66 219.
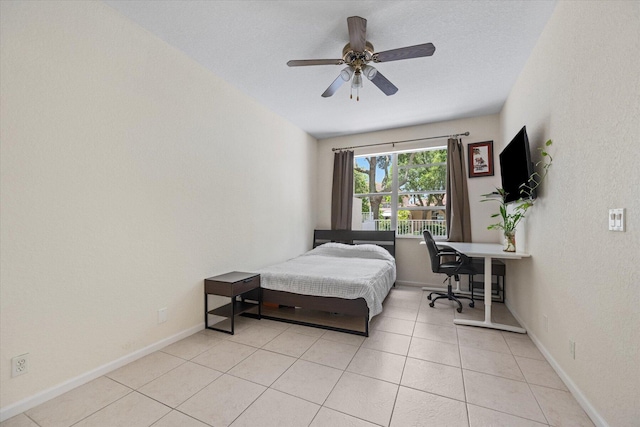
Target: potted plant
pixel 511 218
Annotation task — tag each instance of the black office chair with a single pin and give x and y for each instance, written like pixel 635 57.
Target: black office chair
pixel 458 263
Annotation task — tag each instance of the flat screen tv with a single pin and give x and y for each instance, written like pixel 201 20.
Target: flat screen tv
pixel 516 167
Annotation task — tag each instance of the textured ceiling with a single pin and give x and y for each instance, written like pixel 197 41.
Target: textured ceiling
pixel 481 46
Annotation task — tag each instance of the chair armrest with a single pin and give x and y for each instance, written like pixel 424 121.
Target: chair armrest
pixel 462 259
pixel 465 261
pixel 452 252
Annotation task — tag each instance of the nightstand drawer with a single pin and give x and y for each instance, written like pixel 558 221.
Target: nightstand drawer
pixel 221 285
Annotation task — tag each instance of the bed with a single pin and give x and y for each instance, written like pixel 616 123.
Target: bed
pixel 339 285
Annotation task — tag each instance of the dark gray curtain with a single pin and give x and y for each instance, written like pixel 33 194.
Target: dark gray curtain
pixel 457 206
pixel 342 194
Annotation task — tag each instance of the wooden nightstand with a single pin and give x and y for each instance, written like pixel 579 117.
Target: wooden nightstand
pixel 232 285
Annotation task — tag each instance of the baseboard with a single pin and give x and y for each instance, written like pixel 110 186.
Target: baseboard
pixel 55 391
pixel 573 388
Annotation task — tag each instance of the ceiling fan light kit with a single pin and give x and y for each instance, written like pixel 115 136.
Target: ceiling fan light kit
pixel 357 54
pixel 369 72
pixel 346 74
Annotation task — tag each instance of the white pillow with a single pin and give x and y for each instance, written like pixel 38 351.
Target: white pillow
pixel 366 251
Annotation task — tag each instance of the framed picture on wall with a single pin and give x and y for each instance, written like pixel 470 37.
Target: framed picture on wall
pixel 480 157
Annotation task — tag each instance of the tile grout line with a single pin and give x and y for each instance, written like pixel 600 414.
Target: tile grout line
pixel 527 381
pixel 464 387
pixel 499 376
pixel 395 401
pixel 266 388
pixel 106 406
pixel 336 383
pixel 359 346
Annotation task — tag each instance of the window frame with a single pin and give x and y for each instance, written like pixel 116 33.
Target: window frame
pixel 395 192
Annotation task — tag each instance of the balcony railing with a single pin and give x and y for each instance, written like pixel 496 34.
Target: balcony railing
pixel 367 216
pixel 408 227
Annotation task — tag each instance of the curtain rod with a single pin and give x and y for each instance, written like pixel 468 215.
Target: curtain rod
pixel 400 142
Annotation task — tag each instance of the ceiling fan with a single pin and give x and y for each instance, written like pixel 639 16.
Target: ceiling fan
pixel 358 53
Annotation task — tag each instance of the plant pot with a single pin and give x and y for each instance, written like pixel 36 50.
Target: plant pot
pixel 509 241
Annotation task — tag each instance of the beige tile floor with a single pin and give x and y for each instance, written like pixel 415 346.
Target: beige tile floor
pixel 416 369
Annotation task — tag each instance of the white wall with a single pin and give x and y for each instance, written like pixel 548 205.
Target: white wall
pixel 412 259
pixel 129 174
pixel 581 88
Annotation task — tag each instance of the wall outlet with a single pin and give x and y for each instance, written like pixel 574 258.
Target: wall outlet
pixel 545 322
pixel 162 315
pixel 20 365
pixel 572 349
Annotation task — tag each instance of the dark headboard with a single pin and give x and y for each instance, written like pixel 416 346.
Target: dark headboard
pixel 386 239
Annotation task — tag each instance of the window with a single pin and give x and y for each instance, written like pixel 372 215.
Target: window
pixel 402 191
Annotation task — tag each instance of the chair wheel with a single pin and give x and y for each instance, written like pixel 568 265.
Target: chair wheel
pixel 431 304
pixel 472 304
pixel 459 309
pixel 429 297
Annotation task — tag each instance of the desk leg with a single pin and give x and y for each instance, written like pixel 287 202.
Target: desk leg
pixel 487 289
pixel 487 323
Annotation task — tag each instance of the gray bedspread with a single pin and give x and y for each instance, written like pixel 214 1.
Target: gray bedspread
pixel 336 270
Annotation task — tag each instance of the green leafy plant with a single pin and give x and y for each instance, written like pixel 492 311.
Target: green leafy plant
pixel 510 220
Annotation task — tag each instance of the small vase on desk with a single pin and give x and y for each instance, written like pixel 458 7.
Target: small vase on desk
pixel 509 241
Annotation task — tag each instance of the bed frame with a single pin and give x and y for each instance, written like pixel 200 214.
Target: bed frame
pixel 292 307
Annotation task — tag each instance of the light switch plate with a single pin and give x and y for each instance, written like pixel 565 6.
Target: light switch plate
pixel 616 219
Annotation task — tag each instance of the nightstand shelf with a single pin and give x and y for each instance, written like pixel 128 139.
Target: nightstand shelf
pixel 236 307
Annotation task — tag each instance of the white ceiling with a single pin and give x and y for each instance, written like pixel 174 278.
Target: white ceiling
pixel 481 47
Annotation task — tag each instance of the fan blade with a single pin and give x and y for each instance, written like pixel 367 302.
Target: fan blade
pixel 303 62
pixel 383 84
pixel 357 33
pixel 333 87
pixel 408 52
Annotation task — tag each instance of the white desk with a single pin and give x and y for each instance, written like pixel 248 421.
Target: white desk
pixel 488 251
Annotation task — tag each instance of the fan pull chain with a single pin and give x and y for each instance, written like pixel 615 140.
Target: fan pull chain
pixel 357 94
